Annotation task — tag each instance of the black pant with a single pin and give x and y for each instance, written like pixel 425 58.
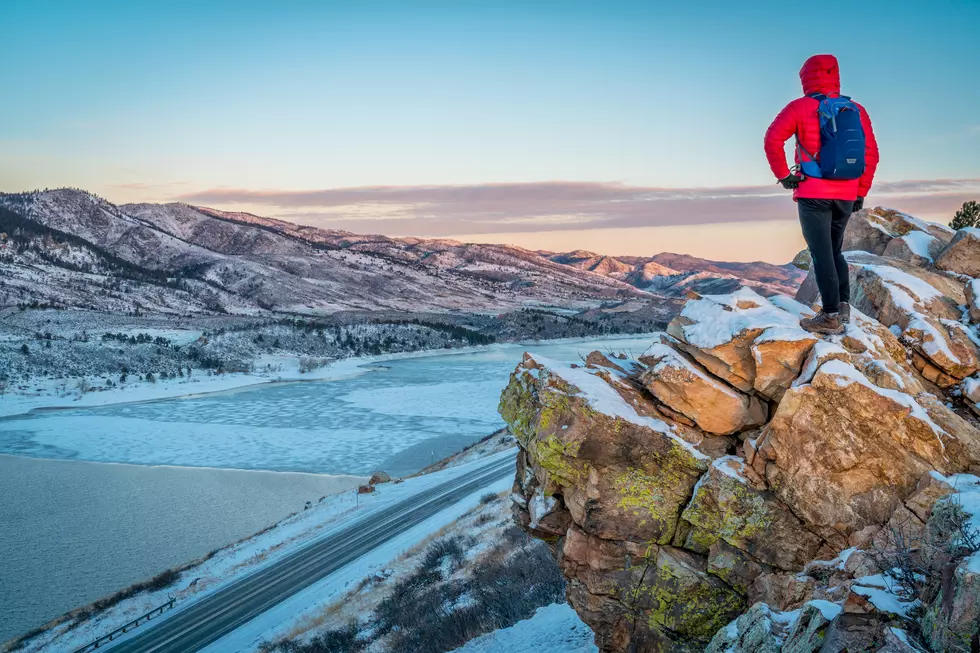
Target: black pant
pixel 823 223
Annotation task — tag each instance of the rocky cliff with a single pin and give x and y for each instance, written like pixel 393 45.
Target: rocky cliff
pixel 746 486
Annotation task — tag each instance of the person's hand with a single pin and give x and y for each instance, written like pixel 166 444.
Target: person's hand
pixel 858 204
pixel 791 181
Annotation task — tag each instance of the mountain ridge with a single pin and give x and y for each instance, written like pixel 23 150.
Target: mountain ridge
pixel 179 257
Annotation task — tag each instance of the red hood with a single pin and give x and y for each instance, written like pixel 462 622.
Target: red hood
pixel 820 74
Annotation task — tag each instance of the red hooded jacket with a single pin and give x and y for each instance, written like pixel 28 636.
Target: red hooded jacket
pixel 820 74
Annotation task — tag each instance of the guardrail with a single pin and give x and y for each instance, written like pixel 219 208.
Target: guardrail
pixel 125 628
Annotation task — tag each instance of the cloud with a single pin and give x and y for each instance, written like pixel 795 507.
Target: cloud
pixel 550 206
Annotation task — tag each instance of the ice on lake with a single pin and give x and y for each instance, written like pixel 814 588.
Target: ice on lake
pixel 399 415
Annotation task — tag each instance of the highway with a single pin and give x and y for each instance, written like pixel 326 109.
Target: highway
pixel 210 618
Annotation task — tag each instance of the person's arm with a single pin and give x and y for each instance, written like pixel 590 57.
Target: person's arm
pixel 781 129
pixel 870 155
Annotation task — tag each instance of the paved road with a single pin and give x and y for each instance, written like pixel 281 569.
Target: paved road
pixel 209 619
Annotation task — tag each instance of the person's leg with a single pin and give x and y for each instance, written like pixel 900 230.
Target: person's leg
pixel 816 217
pixel 841 214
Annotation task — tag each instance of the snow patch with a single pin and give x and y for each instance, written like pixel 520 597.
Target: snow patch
pixel 555 628
pixel 919 243
pixel 604 399
pixel 718 319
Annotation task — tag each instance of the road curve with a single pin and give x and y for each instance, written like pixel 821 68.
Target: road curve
pixel 205 621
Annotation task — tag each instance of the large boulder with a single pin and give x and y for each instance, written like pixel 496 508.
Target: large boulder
pixel 622 475
pixel 825 430
pixel 962 254
pixel 726 506
pixel 916 247
pixel 890 290
pixel 718 331
pixel 868 230
pixel 687 388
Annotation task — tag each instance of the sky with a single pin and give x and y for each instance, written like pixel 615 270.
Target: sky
pixel 618 127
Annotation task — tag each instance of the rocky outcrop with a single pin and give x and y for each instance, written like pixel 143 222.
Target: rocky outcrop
pixel 733 487
pixel 962 254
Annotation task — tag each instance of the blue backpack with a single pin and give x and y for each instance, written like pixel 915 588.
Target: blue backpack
pixel 841 153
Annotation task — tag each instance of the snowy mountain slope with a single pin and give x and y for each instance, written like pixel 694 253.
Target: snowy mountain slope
pixel 180 258
pixel 242 263
pixel 677 274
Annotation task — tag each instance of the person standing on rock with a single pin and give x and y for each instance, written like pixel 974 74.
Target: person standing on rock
pixel 836 158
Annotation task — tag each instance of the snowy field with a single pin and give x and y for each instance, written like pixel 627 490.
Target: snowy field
pixel 398 414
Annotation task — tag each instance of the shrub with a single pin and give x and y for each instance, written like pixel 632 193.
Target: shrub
pixel 967 216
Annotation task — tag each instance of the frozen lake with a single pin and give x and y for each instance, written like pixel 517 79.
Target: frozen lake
pixel 73 531
pixel 398 416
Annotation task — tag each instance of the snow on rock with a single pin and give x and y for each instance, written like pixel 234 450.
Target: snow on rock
pixel 540 507
pixel 962 254
pixel 553 629
pixel 603 398
pixel 885 593
pixel 713 322
pixel 916 247
pixel 791 509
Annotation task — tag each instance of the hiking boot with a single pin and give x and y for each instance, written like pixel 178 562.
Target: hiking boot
pixel 823 323
pixel 845 313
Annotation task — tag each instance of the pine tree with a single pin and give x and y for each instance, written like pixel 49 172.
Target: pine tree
pixel 968 216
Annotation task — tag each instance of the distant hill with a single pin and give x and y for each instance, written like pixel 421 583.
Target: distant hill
pixel 70 248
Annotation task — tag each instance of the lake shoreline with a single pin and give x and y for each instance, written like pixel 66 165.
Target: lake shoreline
pixel 12 405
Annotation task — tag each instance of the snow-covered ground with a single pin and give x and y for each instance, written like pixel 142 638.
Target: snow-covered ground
pixel 331 514
pixel 555 628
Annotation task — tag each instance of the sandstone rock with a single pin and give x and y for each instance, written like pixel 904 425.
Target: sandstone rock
pixel 897 640
pixel 962 254
pixel 973 300
pixel 841 452
pixel 946 344
pixel 803 260
pixel 678 594
pixel 547 514
pixel 971 393
pixel 854 632
pixel 931 488
pixel 891 291
pixel 718 331
pixel 379 477
pixel 734 566
pixel 756 631
pixel 779 354
pixel 916 247
pixel 686 387
pixel 809 629
pixel 725 506
pixel 621 475
pixel 903 224
pixel 868 231
pixel 664 536
pixel 783 590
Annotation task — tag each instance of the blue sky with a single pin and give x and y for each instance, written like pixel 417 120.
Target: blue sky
pixel 257 106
